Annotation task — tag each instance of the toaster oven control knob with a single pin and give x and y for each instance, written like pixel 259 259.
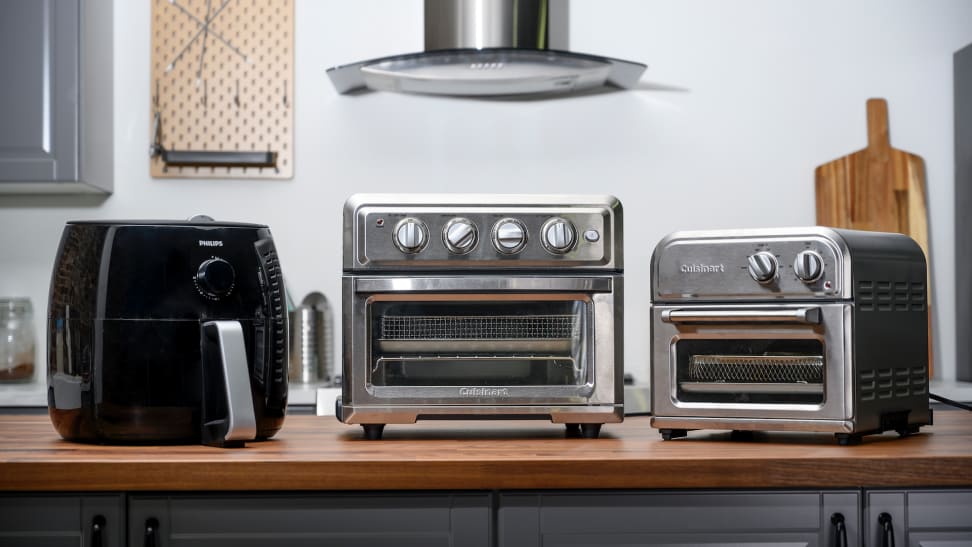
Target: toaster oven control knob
pixel 460 236
pixel 215 278
pixel 558 235
pixel 509 236
pixel 808 266
pixel 763 266
pixel 411 235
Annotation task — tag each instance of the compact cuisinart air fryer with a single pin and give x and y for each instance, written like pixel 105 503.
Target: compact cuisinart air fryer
pixel 167 332
pixel 800 329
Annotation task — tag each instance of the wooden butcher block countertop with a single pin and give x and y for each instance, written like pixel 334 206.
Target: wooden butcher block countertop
pixel 318 453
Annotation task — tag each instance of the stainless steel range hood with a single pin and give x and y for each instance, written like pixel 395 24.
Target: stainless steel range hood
pixel 486 48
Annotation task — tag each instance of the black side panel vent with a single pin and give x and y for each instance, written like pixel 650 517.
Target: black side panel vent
pixel 275 337
pixel 890 383
pixel 890 296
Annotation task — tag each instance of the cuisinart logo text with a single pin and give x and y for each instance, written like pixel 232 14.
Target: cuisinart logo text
pixel 703 268
pixel 210 243
pixel 484 392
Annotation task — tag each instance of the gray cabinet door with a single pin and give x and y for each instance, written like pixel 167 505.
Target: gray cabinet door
pixel 919 518
pixel 737 519
pixel 39 98
pixel 338 519
pixel 38 520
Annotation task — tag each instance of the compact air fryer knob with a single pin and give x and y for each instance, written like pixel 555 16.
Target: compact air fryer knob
pixel 558 235
pixel 460 236
pixel 808 266
pixel 215 278
pixel 763 266
pixel 509 236
pixel 411 235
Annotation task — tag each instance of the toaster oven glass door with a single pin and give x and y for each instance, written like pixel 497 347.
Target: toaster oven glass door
pixel 759 361
pixel 452 340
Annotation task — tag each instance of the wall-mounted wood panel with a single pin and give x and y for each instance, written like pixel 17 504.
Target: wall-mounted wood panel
pixel 222 81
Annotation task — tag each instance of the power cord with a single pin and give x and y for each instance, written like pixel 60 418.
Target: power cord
pixel 947 401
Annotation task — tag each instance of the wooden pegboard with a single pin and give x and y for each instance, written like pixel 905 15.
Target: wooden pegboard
pixel 225 86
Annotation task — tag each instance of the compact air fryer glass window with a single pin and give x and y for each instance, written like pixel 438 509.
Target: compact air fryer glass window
pixel 762 371
pixel 455 341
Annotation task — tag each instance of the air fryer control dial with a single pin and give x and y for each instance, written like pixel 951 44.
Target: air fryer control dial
pixel 808 266
pixel 411 235
pixel 763 266
pixel 558 235
pixel 215 278
pixel 460 236
pixel 509 236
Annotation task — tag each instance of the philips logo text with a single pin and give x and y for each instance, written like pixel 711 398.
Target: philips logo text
pixel 208 243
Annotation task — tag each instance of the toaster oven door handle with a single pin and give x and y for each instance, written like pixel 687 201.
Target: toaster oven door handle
pixel 227 406
pixel 809 316
pixel 493 283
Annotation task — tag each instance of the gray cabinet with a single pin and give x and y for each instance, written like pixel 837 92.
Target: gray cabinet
pixel 56 97
pixel 40 520
pixel 339 519
pixel 792 519
pixel 919 518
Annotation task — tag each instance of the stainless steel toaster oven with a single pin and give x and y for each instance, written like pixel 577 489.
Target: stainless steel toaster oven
pixel 810 329
pixel 482 306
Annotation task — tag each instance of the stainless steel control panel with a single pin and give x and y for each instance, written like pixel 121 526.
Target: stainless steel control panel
pixel 710 266
pixel 495 231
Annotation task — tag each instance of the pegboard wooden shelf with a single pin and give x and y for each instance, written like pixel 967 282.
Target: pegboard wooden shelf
pixel 222 82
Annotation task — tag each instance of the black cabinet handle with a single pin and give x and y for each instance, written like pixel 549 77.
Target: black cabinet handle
pixel 887 530
pixel 151 533
pixel 98 531
pixel 840 530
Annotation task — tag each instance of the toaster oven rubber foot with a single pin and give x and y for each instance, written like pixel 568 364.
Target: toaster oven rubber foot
pixel 373 431
pixel 848 439
pixel 590 431
pixel 669 434
pixel 573 431
pixel 911 429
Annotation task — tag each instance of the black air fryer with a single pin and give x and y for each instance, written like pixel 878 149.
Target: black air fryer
pixel 166 332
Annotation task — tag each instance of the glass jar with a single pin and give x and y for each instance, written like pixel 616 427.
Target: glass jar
pixel 16 340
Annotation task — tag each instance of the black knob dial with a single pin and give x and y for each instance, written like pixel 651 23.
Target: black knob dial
pixel 215 278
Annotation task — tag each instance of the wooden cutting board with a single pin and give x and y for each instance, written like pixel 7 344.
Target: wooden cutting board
pixel 878 188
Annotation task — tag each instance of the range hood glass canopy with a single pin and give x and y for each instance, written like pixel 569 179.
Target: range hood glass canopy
pixel 472 49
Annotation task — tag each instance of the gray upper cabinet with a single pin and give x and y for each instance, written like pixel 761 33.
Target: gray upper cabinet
pixel 56 98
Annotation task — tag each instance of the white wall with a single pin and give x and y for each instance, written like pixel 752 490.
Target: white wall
pixel 741 101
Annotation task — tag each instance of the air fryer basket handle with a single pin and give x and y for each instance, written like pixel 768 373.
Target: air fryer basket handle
pixel 227 405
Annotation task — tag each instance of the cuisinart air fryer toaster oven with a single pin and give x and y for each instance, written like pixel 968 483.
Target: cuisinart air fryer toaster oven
pixel 482 306
pixel 808 329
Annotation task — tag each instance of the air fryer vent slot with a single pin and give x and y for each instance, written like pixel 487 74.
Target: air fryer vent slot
pixel 276 326
pixel 890 296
